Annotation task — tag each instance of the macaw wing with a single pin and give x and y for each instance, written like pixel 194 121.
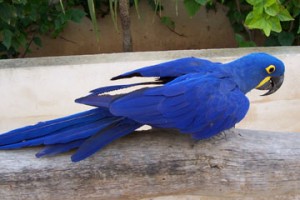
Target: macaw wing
pixel 172 68
pixel 165 71
pixel 201 106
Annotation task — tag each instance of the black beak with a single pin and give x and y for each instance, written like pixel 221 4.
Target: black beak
pixel 272 85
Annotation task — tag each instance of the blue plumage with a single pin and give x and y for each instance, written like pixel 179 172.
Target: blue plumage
pixel 173 68
pixel 99 140
pixel 195 96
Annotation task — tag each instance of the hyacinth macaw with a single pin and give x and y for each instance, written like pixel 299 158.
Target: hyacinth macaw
pixel 193 95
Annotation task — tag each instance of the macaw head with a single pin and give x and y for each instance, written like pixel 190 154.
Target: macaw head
pixel 258 70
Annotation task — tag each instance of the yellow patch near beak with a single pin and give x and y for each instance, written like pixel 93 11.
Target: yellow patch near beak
pixel 263 81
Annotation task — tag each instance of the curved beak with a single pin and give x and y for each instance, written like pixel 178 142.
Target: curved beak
pixel 272 85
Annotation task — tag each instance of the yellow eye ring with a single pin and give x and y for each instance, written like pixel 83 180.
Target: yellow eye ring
pixel 270 69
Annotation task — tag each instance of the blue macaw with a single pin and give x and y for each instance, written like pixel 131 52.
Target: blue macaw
pixel 193 95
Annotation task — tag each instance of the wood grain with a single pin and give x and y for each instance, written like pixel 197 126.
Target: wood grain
pixel 240 164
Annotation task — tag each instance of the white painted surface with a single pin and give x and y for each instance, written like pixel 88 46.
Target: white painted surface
pixel 44 88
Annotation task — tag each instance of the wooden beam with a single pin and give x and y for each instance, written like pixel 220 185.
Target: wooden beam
pixel 241 163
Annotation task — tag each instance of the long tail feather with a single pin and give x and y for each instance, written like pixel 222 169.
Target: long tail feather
pixel 66 135
pixel 88 131
pixel 81 132
pixel 101 139
pixel 44 129
pixel 51 150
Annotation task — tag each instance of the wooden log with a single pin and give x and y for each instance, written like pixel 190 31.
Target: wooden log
pixel 240 164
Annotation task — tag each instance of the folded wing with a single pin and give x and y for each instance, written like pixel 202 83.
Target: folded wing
pixel 198 105
pixel 174 68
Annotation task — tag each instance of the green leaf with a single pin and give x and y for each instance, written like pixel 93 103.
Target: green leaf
pixel 272 41
pixel 37 41
pixel 268 3
pixel 284 15
pixel 44 28
pixel 19 1
pixel 76 15
pixel 19 40
pixel 294 8
pixel 258 22
pixel 267 29
pixel 275 23
pixel 136 5
pixel 242 42
pixel 93 16
pixel 201 2
pixel 253 2
pixel 258 10
pixel 239 38
pixel 62 6
pixel 272 10
pixel 250 19
pixel 168 22
pixel 192 7
pixel 254 21
pixel 7 38
pixel 114 13
pixel 286 38
pixel 7 12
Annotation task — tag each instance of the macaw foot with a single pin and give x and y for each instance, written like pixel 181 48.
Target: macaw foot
pixel 220 136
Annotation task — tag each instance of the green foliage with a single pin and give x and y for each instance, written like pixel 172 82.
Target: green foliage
pixel 113 5
pixel 267 15
pixel 92 12
pixel 104 7
pixel 278 19
pixel 168 22
pixel 22 21
pixel 193 6
pixel 157 8
pixel 286 38
pixel 242 42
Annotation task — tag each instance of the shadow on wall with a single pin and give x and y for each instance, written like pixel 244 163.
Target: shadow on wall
pixel 207 29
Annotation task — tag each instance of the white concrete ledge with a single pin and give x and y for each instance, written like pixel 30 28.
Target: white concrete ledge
pixel 214 54
pixel 36 89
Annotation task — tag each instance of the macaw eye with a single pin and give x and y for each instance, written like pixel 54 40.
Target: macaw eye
pixel 270 69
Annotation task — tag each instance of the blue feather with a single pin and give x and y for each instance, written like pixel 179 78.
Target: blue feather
pixel 51 150
pixel 101 139
pixel 49 127
pixel 102 90
pixel 95 100
pixel 81 132
pixel 173 68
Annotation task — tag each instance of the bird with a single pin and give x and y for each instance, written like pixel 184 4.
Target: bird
pixel 195 96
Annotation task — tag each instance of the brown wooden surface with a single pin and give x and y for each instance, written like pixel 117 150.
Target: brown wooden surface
pixel 242 164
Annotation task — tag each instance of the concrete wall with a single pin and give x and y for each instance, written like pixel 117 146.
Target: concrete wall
pixel 207 29
pixel 37 89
